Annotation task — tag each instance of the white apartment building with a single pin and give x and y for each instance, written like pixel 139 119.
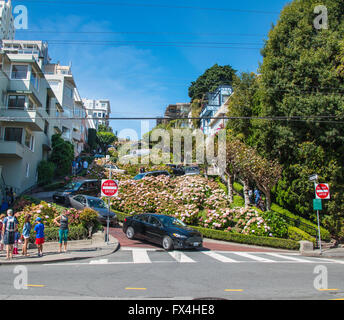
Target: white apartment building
pixel 37 99
pixel 26 105
pixel 61 80
pixel 98 112
pixel 7 30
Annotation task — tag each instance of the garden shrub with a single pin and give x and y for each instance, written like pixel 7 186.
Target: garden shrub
pixel 46 171
pixel 309 227
pixel 297 234
pixel 249 239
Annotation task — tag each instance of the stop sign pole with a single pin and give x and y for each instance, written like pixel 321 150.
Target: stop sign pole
pixel 109 188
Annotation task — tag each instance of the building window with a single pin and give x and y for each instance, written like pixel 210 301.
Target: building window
pixel 46 127
pixel 47 106
pixel 16 102
pixel 13 134
pixel 69 92
pixel 27 170
pixel 29 140
pixel 34 80
pixel 19 71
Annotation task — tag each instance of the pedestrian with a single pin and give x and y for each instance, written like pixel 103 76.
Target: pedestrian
pixel 8 232
pixel 256 196
pixel 4 205
pixel 11 196
pixel 63 232
pixel 39 230
pixel 73 167
pixel 250 195
pixel 16 242
pixel 26 234
pixel 2 217
pixel 85 165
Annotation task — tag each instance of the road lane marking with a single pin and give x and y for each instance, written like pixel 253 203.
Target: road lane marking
pixel 287 257
pixel 101 261
pixel 234 290
pixel 219 257
pixel 181 257
pixel 140 256
pixel 135 288
pixel 328 289
pixel 35 285
pixel 253 257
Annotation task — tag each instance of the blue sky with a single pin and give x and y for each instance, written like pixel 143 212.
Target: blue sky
pixel 143 80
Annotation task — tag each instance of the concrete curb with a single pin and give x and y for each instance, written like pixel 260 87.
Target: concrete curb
pixel 114 244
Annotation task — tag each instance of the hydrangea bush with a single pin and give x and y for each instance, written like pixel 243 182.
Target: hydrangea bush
pixel 196 201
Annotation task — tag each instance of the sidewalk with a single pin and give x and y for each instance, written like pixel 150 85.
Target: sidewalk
pixel 326 253
pixel 81 249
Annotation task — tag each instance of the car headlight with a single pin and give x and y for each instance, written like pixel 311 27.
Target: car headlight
pixel 179 236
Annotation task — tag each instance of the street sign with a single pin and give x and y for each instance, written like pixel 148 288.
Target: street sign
pixel 109 188
pixel 313 177
pixel 317 204
pixel 322 191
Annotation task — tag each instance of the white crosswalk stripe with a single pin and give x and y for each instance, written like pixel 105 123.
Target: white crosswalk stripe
pixel 141 256
pixel 287 257
pixel 149 256
pixel 253 257
pixel 219 257
pixel 181 257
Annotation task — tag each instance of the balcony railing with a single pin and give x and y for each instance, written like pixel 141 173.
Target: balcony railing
pixel 28 117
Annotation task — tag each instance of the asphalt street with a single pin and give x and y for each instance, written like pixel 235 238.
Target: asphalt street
pixel 148 273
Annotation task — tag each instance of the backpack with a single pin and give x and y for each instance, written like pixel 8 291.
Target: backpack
pixel 10 224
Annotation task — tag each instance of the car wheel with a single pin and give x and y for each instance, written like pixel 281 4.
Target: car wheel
pixel 167 243
pixel 130 233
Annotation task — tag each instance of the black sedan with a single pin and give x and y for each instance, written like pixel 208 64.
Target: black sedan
pixel 167 231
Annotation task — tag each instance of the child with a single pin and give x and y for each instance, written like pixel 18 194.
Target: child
pixel 39 229
pixel 2 217
pixel 26 234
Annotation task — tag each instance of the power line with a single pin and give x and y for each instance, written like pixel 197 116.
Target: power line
pixel 150 5
pixel 212 34
pixel 282 118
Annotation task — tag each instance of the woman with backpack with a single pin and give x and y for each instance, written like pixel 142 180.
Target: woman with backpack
pixel 10 226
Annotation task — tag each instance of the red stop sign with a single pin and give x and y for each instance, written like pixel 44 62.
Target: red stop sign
pixel 109 188
pixel 322 191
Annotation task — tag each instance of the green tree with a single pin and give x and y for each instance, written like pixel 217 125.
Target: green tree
pixel 62 155
pixel 302 76
pixel 210 80
pixel 105 138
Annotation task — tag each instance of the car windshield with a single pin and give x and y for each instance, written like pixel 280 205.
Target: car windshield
pixel 171 221
pixel 191 169
pixel 97 203
pixel 72 186
pixel 139 176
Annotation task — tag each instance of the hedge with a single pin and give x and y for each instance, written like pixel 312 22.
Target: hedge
pixel 313 231
pixel 248 239
pixel 52 234
pixel 237 237
pixel 297 234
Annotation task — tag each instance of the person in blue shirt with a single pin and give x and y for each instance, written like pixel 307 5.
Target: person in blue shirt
pixel 4 206
pixel 39 229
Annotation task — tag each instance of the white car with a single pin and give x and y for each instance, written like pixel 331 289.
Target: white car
pixel 114 168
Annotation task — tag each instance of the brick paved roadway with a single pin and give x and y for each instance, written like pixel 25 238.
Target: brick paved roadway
pixel 207 244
